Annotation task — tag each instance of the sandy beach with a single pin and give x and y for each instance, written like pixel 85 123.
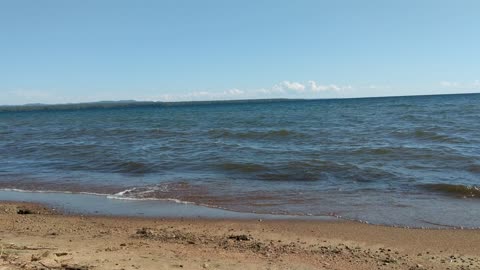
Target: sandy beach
pixel 35 237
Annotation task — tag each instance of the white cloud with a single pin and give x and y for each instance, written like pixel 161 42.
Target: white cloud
pixel 461 85
pixel 449 84
pixel 267 91
pixel 284 89
pixel 308 88
pixel 234 92
pixel 377 87
pixel 292 86
pixel 314 87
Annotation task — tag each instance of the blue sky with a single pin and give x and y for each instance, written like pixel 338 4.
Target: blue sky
pixel 75 51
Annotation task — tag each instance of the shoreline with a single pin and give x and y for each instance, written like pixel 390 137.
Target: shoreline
pixel 51 239
pixel 105 205
pixel 47 209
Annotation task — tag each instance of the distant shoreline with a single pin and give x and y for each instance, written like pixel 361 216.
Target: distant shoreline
pixel 136 104
pixel 127 104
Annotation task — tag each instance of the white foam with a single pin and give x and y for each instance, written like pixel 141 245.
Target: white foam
pixel 121 196
pixel 52 191
pixel 116 196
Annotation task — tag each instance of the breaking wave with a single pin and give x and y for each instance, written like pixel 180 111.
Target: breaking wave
pixel 455 190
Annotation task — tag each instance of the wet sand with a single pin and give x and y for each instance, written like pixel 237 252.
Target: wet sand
pixel 35 237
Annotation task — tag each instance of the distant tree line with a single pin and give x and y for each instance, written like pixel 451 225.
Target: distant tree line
pixel 127 104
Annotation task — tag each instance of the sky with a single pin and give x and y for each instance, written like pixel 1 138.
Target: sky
pixel 57 51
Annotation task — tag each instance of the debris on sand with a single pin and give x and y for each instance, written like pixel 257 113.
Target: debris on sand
pixel 241 237
pixel 24 212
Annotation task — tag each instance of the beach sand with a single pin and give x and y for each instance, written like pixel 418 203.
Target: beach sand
pixel 35 237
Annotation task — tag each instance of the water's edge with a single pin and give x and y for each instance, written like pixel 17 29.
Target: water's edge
pixel 103 205
pixel 99 204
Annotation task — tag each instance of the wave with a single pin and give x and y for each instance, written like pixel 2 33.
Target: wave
pixel 376 151
pixel 178 192
pixel 428 135
pixel 474 168
pixel 455 190
pixel 116 166
pixel 143 133
pixel 422 154
pixel 282 171
pixel 138 194
pixel 52 191
pixel 410 117
pixel 117 196
pixel 133 167
pixel 243 167
pixel 256 134
pixel 310 171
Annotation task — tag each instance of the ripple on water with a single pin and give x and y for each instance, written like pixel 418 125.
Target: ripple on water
pixel 455 190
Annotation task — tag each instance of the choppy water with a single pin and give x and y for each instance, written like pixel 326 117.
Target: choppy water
pixel 402 160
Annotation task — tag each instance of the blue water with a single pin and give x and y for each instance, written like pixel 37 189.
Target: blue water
pixel 401 161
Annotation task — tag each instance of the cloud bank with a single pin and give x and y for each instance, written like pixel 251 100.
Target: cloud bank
pixel 284 89
pixel 475 85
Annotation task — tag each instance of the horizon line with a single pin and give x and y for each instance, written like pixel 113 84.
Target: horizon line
pixel 152 102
